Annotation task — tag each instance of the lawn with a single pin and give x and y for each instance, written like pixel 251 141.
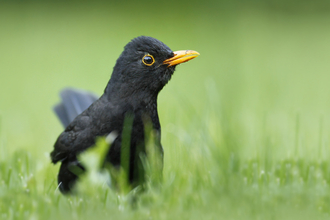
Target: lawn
pixel 245 126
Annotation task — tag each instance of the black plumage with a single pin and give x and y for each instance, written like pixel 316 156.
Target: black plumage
pixel 140 73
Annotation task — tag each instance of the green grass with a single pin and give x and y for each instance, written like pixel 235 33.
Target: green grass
pixel 245 126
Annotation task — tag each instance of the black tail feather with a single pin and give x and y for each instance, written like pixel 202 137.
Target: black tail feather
pixel 60 111
pixel 73 102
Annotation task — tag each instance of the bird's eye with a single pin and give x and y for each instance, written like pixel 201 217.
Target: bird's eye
pixel 148 60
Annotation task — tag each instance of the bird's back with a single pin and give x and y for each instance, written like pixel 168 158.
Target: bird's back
pixel 100 119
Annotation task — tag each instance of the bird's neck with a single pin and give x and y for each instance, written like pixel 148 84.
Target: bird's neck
pixel 138 93
pixel 141 102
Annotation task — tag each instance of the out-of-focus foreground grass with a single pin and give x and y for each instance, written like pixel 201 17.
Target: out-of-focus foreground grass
pixel 245 126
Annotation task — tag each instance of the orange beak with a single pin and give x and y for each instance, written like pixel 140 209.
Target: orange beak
pixel 181 56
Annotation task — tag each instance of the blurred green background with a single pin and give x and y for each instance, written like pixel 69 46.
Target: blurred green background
pixel 261 82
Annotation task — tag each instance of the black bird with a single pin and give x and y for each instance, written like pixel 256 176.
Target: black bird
pixel 140 73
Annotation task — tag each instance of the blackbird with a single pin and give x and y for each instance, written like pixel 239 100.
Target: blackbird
pixel 141 71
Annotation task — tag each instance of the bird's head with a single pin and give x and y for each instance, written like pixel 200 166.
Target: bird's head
pixel 146 65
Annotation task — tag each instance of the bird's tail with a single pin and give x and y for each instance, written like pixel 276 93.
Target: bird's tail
pixel 73 102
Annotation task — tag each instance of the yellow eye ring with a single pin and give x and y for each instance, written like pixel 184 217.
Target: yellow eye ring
pixel 148 60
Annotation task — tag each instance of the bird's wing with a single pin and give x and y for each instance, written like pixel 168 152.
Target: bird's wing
pixel 73 102
pixel 97 120
pixel 66 142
